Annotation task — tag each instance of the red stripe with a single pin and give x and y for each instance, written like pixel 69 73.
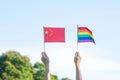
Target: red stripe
pixel 84 29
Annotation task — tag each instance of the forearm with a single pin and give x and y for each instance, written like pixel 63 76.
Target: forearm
pixel 47 73
pixel 78 73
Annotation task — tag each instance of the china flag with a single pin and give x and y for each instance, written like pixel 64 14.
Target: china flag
pixel 54 34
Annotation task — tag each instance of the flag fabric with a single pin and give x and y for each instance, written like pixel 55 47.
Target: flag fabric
pixel 85 35
pixel 52 34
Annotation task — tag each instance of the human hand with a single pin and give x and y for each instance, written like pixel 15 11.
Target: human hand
pixel 45 59
pixel 77 58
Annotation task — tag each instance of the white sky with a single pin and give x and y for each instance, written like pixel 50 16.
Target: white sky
pixel 21 29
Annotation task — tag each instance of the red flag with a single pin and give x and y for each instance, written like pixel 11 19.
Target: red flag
pixel 54 34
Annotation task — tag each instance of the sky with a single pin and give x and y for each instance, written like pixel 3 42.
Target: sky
pixel 21 29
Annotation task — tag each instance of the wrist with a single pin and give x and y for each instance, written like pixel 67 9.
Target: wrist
pixel 77 65
pixel 47 67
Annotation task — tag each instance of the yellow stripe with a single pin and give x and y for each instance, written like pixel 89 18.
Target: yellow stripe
pixel 84 33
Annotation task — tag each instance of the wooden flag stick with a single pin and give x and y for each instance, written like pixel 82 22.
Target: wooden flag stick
pixel 77 37
pixel 43 39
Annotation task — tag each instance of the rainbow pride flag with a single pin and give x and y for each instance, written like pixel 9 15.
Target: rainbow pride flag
pixel 85 35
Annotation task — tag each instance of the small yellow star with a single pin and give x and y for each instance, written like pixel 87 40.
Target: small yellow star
pixel 46 32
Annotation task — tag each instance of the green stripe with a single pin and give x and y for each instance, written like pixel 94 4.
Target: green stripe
pixel 85 35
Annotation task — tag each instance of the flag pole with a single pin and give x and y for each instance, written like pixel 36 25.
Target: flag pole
pixel 43 39
pixel 77 37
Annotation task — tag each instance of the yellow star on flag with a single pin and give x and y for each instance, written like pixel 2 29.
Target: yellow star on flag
pixel 46 32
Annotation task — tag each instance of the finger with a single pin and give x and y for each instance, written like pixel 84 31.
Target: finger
pixel 79 56
pixel 43 54
pixel 76 53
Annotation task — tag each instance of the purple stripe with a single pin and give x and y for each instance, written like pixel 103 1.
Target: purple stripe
pixel 86 40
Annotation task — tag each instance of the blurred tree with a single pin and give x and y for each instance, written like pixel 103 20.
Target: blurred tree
pixel 14 66
pixel 40 68
pixel 40 71
pixel 65 78
pixel 54 77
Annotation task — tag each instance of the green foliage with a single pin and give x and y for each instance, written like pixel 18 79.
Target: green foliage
pixel 40 71
pixel 14 66
pixel 53 77
pixel 65 78
pixel 40 68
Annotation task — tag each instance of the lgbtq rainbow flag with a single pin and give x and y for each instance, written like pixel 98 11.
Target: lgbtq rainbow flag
pixel 85 35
